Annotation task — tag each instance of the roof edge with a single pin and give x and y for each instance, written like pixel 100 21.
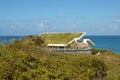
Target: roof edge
pixel 63 32
pixel 84 33
pixel 90 41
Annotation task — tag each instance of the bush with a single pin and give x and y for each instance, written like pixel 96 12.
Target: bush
pixel 25 60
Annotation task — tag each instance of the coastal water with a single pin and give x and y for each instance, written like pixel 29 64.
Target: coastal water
pixel 8 39
pixel 105 42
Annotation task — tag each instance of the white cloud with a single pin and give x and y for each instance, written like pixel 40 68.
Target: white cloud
pixel 44 20
pixel 40 26
pixel 116 27
pixel 12 27
pixel 117 20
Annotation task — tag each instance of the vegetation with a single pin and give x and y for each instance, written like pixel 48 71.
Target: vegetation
pixel 24 59
pixel 60 38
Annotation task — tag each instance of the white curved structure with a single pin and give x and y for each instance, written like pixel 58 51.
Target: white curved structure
pixel 88 42
pixel 80 41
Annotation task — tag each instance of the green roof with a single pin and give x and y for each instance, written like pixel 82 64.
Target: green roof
pixel 60 38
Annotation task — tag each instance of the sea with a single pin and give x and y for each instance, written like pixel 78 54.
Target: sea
pixel 106 42
pixel 103 42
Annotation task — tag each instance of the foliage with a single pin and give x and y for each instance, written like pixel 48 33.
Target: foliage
pixel 29 40
pixel 24 59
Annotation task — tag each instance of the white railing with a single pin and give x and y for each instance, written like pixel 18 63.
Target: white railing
pixel 69 50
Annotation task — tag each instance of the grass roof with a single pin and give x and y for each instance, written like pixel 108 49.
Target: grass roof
pixel 60 38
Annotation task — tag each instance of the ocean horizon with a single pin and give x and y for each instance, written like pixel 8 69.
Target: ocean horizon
pixel 110 42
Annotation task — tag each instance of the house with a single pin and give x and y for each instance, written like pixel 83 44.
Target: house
pixel 67 42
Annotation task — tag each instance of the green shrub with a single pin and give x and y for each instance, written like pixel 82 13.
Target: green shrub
pixel 25 60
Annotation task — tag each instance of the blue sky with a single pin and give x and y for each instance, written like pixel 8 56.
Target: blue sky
pixel 27 17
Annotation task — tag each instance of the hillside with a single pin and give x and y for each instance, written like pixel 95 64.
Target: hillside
pixel 24 59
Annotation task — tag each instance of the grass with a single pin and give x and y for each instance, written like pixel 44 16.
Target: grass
pixel 59 38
